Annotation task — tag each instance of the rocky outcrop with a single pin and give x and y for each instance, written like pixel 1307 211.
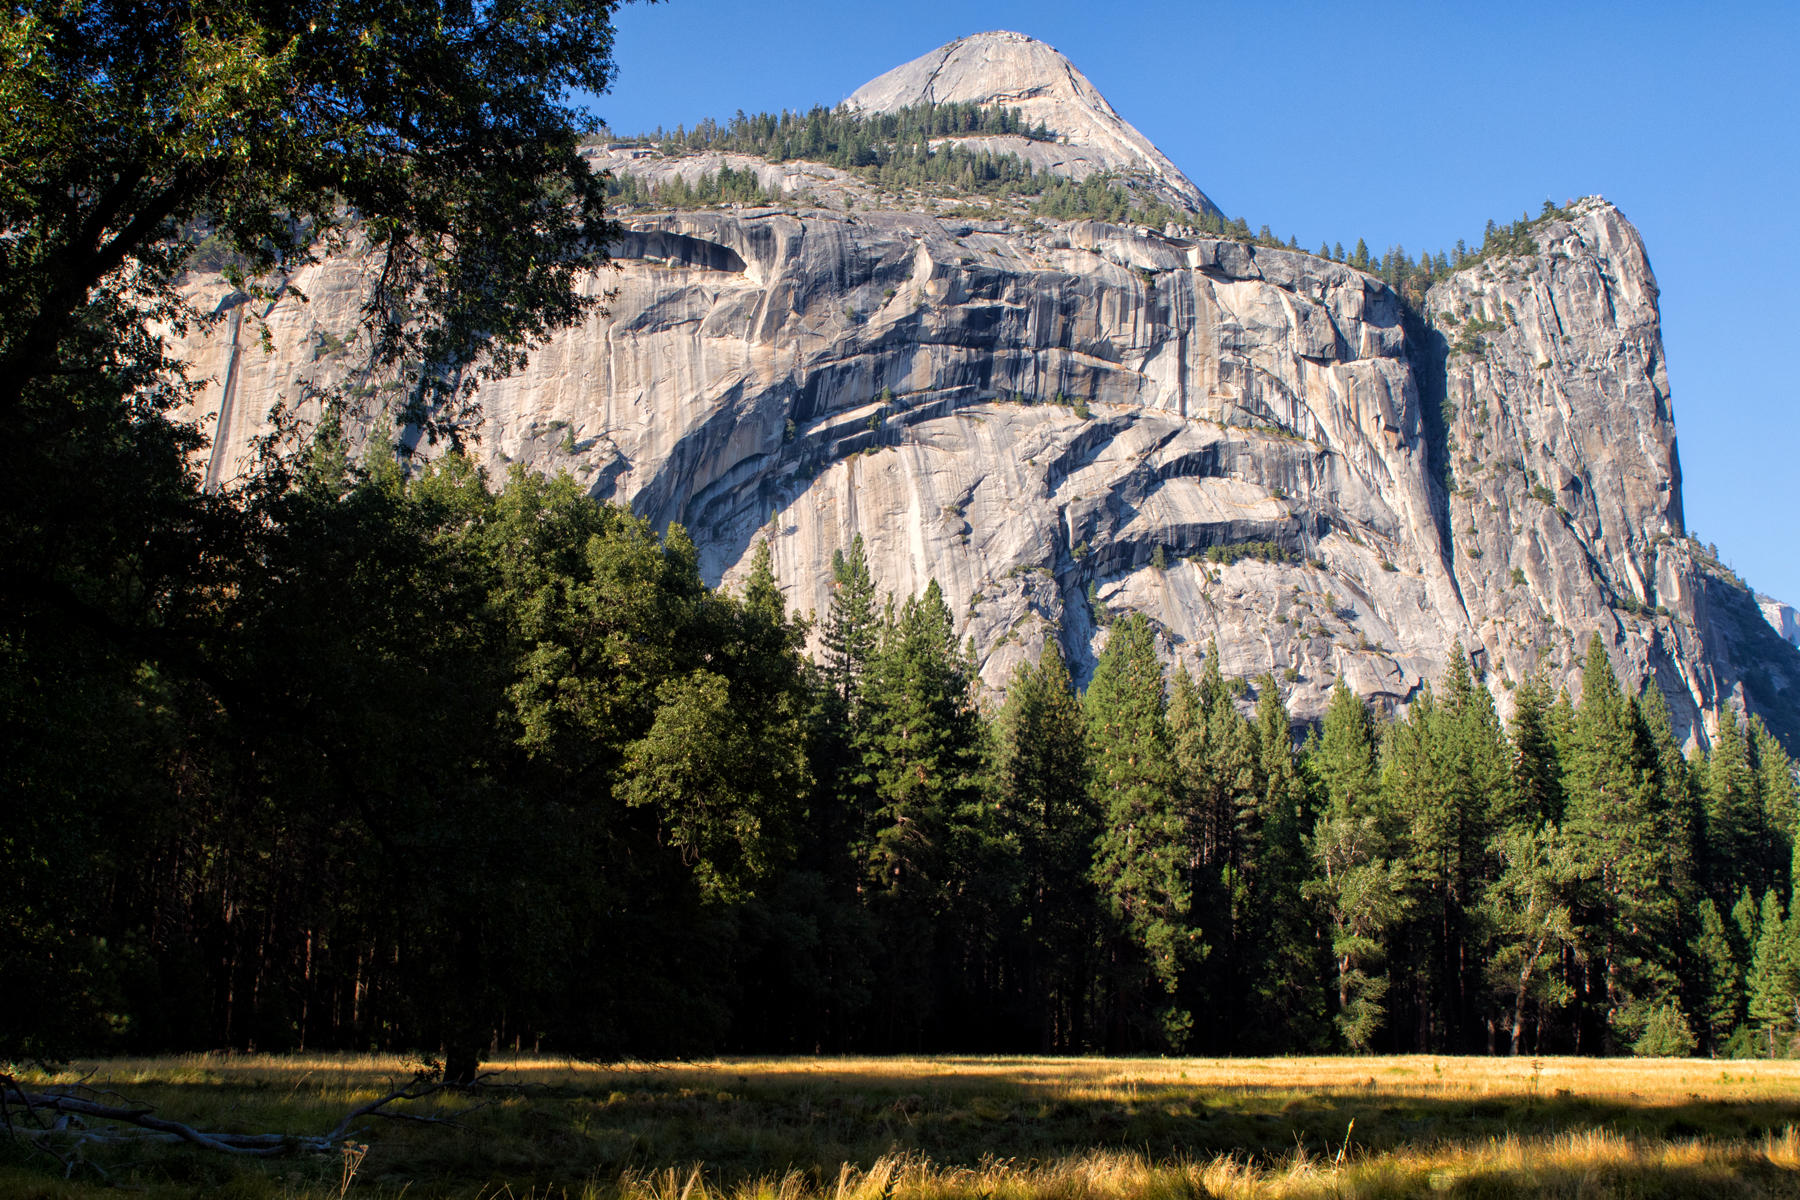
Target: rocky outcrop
pixel 1782 618
pixel 1016 71
pixel 1562 484
pixel 1264 451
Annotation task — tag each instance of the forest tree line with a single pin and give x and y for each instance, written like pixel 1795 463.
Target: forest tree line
pixel 918 145
pixel 453 769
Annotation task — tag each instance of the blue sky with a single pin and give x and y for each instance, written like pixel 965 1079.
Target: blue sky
pixel 1408 123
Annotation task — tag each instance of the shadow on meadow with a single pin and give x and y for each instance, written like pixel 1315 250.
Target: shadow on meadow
pixel 981 1127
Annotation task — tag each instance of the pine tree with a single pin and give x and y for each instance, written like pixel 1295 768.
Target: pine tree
pixel 1358 888
pixel 1742 929
pixel 1285 967
pixel 1046 805
pixel 1476 766
pixel 1632 933
pixel 1217 756
pixel 1219 783
pixel 1780 807
pixel 1537 773
pixel 1678 805
pixel 1193 783
pixel 1721 991
pixel 1774 991
pixel 929 855
pixel 1530 910
pixel 1346 762
pixel 1450 775
pixel 1186 717
pixel 1139 856
pixel 1413 790
pixel 850 622
pixel 1734 826
pixel 762 594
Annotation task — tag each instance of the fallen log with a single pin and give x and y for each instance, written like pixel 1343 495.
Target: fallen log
pixel 74 1115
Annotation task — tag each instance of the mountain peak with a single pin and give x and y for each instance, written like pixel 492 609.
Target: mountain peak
pixel 1001 67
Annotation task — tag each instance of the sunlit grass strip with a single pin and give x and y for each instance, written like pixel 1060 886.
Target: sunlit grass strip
pixel 1642 1080
pixel 1596 1163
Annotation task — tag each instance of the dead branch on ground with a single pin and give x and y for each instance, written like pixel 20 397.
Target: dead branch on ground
pixel 61 1120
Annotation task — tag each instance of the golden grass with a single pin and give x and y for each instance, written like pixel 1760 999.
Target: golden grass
pixel 1589 1164
pixel 1637 1080
pixel 990 1128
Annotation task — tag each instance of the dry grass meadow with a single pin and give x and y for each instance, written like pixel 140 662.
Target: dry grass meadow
pixel 954 1128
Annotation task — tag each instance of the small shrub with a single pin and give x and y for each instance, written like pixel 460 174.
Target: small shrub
pixel 1666 1034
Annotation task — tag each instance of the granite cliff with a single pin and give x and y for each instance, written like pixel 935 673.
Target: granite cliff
pixel 1059 421
pixel 1016 71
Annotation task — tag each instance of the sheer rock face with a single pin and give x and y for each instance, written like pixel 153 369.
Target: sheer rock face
pixel 1054 421
pixel 1563 487
pixel 1061 423
pixel 1016 71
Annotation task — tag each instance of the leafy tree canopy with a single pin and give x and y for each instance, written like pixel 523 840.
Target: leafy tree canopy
pixel 434 137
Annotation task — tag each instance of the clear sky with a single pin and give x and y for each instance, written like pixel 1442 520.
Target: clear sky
pixel 1408 123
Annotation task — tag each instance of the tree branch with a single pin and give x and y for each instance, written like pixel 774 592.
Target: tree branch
pixel 38 1117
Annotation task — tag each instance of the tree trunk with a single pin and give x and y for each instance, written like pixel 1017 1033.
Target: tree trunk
pixel 462 1063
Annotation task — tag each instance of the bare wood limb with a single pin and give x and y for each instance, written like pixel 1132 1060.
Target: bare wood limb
pixel 61 1114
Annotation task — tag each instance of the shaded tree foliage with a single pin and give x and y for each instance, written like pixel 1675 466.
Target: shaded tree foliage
pixel 151 729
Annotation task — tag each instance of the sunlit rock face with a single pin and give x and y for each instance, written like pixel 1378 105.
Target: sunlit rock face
pixel 1058 422
pixel 1016 71
pixel 1783 618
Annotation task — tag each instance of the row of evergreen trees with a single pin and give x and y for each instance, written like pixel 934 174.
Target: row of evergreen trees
pixel 846 137
pixel 724 186
pixel 895 151
pixel 412 763
pixel 1145 867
